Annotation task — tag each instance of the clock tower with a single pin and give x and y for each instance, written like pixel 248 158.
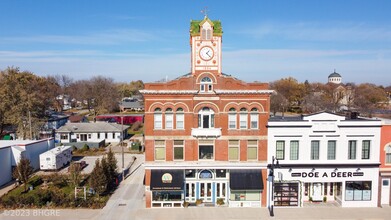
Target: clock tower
pixel 205 43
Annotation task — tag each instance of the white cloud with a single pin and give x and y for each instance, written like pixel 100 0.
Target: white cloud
pixel 249 65
pixel 108 37
pixel 320 32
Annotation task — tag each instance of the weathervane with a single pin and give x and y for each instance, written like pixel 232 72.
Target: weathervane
pixel 205 11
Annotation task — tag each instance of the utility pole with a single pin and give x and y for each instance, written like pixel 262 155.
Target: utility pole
pixel 122 147
pixel 31 133
pixel 271 167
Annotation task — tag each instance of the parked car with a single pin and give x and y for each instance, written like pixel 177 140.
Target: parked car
pixel 81 164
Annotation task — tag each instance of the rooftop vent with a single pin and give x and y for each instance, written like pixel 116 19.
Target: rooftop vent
pixel 352 115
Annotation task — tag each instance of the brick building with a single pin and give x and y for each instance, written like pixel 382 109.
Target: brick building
pixel 385 164
pixel 205 132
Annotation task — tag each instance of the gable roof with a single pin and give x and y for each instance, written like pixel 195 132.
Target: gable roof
pixel 195 27
pixel 92 127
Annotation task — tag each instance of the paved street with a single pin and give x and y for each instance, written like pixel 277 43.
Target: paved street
pixel 128 203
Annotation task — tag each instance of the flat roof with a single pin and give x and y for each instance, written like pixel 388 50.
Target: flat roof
pixel 9 143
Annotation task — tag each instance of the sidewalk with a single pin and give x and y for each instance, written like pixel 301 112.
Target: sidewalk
pixel 263 213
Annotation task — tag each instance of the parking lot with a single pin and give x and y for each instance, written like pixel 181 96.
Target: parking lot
pixel 90 161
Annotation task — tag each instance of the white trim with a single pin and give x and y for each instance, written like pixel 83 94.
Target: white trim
pixel 225 137
pixel 204 165
pixel 206 98
pixel 145 91
pixel 223 91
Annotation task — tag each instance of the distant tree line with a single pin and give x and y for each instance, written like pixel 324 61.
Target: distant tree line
pixel 293 96
pixel 26 97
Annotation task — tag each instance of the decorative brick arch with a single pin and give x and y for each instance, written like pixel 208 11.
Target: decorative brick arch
pixel 246 105
pixel 387 145
pixel 211 105
pixel 206 74
pixel 166 105
pixel 156 105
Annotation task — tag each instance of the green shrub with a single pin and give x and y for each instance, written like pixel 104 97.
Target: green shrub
pixel 220 201
pixel 85 147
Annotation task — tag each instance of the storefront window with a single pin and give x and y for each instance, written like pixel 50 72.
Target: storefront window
pixel 306 186
pixel 325 189
pixel 331 189
pixel 221 173
pixel 245 195
pixel 358 191
pixel 166 195
pixel 190 173
pixel 338 191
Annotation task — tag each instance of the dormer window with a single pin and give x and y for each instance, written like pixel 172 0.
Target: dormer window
pixel 206 85
pixel 206 31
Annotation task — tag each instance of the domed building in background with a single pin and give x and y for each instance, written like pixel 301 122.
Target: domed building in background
pixel 335 78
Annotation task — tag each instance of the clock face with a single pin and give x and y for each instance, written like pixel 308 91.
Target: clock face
pixel 206 53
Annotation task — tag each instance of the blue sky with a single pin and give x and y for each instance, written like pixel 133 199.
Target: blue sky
pixel 149 40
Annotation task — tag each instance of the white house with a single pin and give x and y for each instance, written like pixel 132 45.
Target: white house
pixel 324 157
pixel 91 133
pixel 12 151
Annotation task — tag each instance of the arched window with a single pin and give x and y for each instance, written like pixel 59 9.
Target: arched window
pixel 243 118
pixel 169 118
pixel 232 118
pixel 206 118
pixel 388 154
pixel 206 85
pixel 254 118
pixel 180 119
pixel 205 174
pixel 157 118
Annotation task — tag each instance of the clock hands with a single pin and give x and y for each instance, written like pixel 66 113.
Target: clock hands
pixel 207 53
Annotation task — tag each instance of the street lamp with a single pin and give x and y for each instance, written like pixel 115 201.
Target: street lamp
pixel 271 168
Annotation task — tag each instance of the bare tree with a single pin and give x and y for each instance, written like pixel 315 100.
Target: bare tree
pixel 369 97
pixel 75 174
pixel 23 171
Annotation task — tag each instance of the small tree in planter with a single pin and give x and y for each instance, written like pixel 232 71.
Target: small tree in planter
pixel 199 202
pixel 220 201
pixel 186 204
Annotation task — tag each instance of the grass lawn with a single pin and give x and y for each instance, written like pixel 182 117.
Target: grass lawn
pixel 56 194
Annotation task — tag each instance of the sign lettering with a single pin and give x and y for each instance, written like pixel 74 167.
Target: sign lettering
pixel 325 174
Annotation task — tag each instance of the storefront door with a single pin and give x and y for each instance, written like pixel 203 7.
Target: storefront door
pixel 190 195
pixel 385 191
pixel 221 191
pixel 206 191
pixel 317 192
